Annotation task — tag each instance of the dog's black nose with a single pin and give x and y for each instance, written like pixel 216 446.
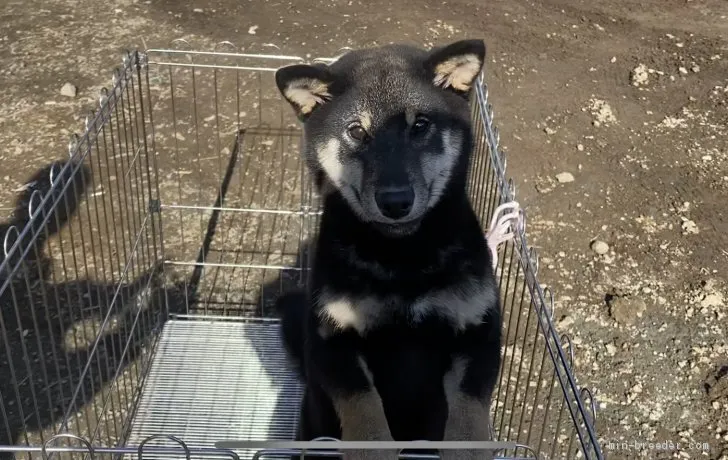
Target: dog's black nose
pixel 395 202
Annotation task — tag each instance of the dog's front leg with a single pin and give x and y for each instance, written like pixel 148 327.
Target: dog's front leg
pixel 468 416
pixel 346 378
pixel 362 417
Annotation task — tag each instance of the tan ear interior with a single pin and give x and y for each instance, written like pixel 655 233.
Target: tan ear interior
pixel 458 72
pixel 306 93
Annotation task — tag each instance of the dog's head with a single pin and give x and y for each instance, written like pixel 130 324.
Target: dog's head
pixel 388 127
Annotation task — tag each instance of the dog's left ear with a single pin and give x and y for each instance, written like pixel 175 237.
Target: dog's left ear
pixel 456 66
pixel 305 87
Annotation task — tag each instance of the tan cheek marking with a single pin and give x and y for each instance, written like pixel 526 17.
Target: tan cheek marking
pixel 328 158
pixel 438 167
pixel 409 116
pixel 365 118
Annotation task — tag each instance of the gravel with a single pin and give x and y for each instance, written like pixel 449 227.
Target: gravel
pixel 626 310
pixel 600 247
pixel 640 75
pixel 69 90
pixel 565 177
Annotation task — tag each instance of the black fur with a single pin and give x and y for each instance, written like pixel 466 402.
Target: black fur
pixel 291 308
pixel 407 362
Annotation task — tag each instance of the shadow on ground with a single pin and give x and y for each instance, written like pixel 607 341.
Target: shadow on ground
pixel 67 343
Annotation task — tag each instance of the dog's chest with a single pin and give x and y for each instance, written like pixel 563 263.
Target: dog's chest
pixel 457 306
pixel 408 367
pixel 403 356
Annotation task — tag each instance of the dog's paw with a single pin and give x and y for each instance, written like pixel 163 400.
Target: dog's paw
pixel 502 228
pixel 371 454
pixel 479 454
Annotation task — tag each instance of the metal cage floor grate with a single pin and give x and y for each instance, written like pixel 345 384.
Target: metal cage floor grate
pixel 213 381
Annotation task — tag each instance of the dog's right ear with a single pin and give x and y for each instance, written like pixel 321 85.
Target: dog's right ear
pixel 457 65
pixel 305 87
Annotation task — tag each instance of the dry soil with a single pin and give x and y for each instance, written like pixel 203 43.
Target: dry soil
pixel 630 97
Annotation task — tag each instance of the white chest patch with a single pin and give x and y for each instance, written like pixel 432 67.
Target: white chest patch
pixel 462 305
pixel 346 312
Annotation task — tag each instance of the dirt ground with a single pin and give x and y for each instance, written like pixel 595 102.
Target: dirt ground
pixel 630 98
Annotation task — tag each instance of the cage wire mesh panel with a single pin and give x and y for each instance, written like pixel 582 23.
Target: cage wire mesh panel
pixel 234 192
pixel 77 277
pixel 138 276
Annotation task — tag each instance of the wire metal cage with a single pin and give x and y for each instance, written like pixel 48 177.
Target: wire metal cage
pixel 137 277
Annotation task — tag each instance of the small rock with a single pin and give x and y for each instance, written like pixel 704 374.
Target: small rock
pixel 198 10
pixel 580 147
pixel 565 177
pixel 602 112
pixel 252 30
pixel 695 68
pixel 600 247
pixel 69 90
pixel 611 349
pixel 640 75
pixel 716 384
pixel 544 188
pixel 713 299
pixel 632 393
pixel 549 131
pixel 683 70
pixel 613 60
pixel 626 310
pixel 689 227
pixel 565 321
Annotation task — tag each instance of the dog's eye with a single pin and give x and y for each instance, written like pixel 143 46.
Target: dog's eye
pixel 420 126
pixel 358 133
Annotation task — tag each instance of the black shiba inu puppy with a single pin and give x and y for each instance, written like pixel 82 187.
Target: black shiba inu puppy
pixel 399 336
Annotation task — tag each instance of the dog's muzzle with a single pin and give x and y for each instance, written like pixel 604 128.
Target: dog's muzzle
pixel 395 202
